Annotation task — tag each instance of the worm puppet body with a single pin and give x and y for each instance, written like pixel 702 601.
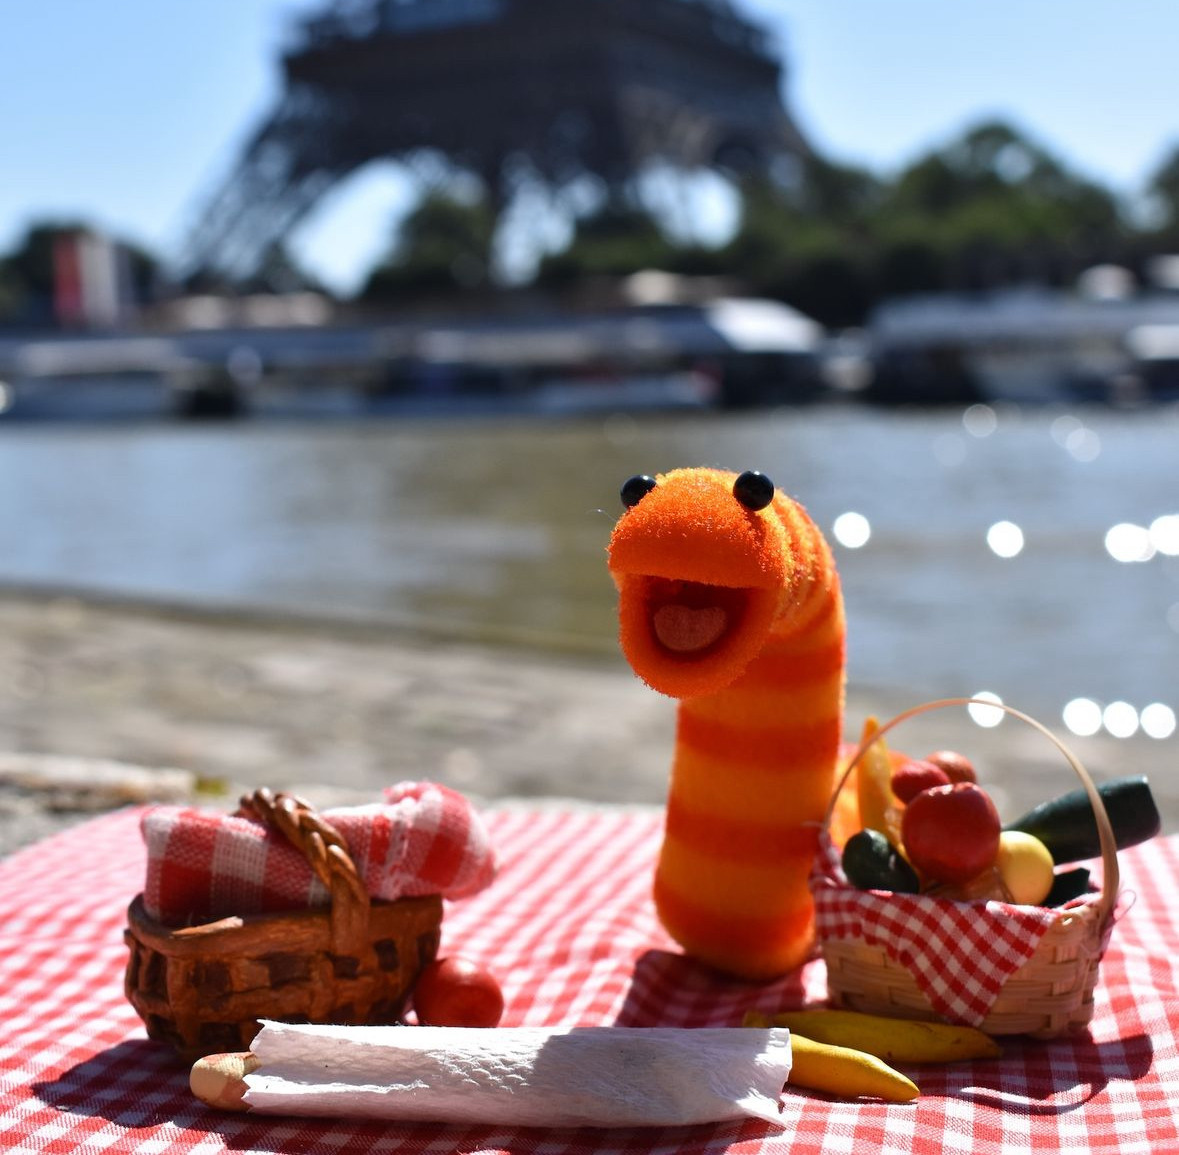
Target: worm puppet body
pixel 729 601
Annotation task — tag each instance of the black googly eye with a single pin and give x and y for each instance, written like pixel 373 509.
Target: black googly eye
pixel 634 489
pixel 753 490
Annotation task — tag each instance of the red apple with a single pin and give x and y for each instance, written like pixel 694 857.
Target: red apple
pixel 951 833
pixel 456 992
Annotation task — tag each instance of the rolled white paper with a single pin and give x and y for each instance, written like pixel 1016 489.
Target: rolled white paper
pixel 521 1076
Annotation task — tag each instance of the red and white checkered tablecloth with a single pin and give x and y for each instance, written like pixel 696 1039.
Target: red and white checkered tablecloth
pixel 569 928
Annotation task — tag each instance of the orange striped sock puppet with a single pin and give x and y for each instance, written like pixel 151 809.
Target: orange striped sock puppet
pixel 729 601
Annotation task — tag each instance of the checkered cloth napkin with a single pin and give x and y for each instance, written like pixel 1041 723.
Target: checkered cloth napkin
pixel 201 864
pixel 959 954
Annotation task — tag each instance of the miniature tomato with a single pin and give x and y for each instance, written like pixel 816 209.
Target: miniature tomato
pixel 957 767
pixel 951 833
pixel 456 992
pixel 909 779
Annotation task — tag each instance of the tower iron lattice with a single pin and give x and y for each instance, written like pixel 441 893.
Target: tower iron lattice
pixel 555 89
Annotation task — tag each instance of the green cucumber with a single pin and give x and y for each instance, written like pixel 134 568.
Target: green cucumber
pixel 1067 885
pixel 870 862
pixel 1066 825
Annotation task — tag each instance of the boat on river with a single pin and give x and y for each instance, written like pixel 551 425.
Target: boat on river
pixel 725 353
pixel 1030 346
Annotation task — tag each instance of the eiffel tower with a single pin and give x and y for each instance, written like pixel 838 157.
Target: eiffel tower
pixel 557 89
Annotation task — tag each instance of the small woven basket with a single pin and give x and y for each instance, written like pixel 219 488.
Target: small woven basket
pixel 203 988
pixel 1050 995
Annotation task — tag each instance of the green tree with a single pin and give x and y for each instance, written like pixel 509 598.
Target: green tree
pixel 1162 191
pixel 989 208
pixel 443 246
pixel 618 239
pixel 807 245
pixel 13 298
pixel 762 249
pixel 993 207
pixel 836 193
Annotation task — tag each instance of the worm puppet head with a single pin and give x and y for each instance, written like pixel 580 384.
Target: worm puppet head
pixel 702 563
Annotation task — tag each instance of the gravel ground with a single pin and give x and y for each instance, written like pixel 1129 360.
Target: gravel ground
pixel 110 704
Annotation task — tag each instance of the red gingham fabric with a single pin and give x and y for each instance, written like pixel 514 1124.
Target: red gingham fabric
pixel 425 839
pixel 959 954
pixel 569 927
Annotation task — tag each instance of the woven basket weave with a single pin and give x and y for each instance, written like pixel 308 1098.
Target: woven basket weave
pixel 1050 995
pixel 203 988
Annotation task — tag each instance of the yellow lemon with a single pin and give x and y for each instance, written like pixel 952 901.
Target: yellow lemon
pixel 1026 867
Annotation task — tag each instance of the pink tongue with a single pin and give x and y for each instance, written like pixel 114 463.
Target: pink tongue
pixel 684 629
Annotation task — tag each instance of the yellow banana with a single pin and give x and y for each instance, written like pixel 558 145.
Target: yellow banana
pixel 895 1040
pixel 844 1072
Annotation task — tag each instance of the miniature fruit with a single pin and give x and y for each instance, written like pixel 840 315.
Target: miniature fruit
pixel 957 767
pixel 916 775
pixel 951 833
pixel 1025 866
pixel 1067 885
pixel 871 862
pixel 456 992
pixel 845 809
pixel 893 1040
pixel 1066 825
pixel 220 1080
pixel 846 1072
pixel 873 783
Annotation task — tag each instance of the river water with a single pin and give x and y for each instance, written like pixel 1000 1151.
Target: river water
pixel 495 528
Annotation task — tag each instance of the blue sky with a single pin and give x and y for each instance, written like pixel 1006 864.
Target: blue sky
pixel 123 112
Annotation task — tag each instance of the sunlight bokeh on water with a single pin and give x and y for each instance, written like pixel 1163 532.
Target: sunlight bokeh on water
pixel 1011 563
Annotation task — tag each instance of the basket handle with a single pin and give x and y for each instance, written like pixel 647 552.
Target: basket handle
pixel 1109 851
pixel 326 853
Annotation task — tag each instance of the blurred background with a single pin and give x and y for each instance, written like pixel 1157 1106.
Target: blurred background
pixel 328 332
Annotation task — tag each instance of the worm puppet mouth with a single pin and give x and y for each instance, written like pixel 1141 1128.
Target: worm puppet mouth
pixel 691 618
pixel 686 638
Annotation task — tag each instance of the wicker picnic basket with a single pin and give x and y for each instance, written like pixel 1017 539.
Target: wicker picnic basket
pixel 1049 995
pixel 203 988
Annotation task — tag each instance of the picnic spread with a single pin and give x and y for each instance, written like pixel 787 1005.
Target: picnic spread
pixel 815 946
pixel 569 927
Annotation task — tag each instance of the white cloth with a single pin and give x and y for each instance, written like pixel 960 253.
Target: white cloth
pixel 522 1076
